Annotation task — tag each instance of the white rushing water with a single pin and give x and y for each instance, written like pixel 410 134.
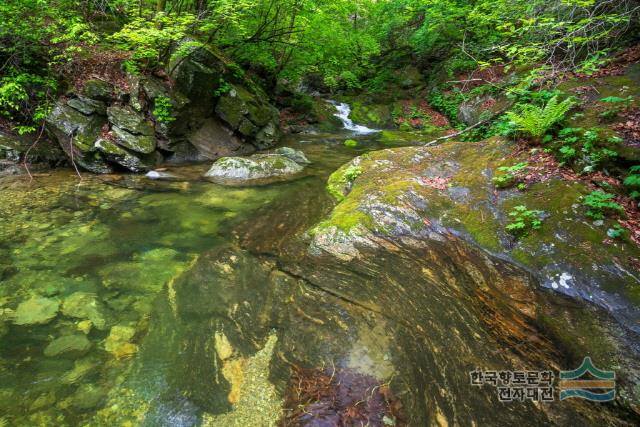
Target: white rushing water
pixel 343 114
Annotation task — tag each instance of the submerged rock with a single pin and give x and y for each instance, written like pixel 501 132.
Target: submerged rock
pixel 119 343
pixel 82 305
pixel 258 166
pixel 36 311
pixel 69 345
pixel 88 396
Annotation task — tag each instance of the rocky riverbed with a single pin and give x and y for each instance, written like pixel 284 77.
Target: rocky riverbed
pixel 140 301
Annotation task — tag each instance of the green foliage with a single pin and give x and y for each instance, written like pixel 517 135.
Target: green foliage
pixel 617 106
pixel 162 110
pixel 633 179
pixel 223 87
pixel 618 232
pixel 583 148
pixel 351 143
pixel 36 40
pixel 536 121
pixel 447 103
pixel 351 173
pixel 601 204
pixel 508 177
pixel 151 40
pixel 524 220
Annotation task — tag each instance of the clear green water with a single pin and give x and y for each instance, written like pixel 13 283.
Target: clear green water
pixel 110 245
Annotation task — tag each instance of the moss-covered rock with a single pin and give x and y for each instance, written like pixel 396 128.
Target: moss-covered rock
pixel 77 133
pixel 144 144
pixel 432 193
pixel 256 167
pixel 88 106
pixel 208 79
pixel 99 90
pixel 250 114
pixel 210 109
pixel 125 118
pixel 116 154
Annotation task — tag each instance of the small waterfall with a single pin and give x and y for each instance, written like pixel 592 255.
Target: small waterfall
pixel 343 114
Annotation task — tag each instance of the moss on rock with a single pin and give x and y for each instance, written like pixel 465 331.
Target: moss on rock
pixel 418 192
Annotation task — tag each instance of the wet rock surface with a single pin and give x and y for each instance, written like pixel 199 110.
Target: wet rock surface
pixel 103 128
pixel 282 163
pixel 447 190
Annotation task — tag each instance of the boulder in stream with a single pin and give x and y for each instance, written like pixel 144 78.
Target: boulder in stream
pixel 286 162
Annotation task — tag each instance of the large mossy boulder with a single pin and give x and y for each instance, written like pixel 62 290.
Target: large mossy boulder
pixel 77 133
pixel 257 167
pixel 211 84
pixel 438 192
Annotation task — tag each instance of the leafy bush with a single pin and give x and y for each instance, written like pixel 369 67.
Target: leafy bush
pixel 162 110
pixel 151 40
pixel 447 103
pixel 536 121
pixel 223 87
pixel 524 220
pixel 351 173
pixel 601 204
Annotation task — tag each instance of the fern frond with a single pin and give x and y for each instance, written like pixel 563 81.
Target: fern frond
pixel 536 121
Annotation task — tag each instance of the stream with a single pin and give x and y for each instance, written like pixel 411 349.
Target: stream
pixel 128 301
